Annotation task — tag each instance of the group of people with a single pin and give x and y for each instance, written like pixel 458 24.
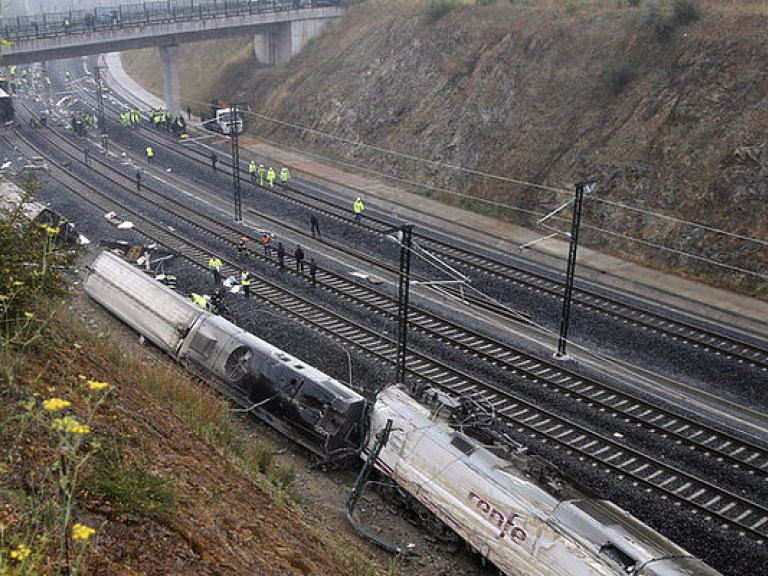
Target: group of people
pixel 163 119
pixel 259 173
pixel 130 118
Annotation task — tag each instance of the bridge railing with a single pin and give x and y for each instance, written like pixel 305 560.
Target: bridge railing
pixel 56 24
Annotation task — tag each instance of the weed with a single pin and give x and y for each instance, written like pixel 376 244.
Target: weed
pixel 128 487
pixel 362 568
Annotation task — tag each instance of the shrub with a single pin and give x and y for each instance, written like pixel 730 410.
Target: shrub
pixel 686 11
pixel 436 9
pixel 620 75
pixel 130 487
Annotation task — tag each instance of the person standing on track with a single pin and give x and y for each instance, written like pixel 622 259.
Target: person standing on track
pixel 358 208
pixel 314 225
pixel 280 256
pixel 214 265
pixel 241 247
pixel 138 180
pixel 267 242
pixel 271 177
pixel 245 282
pixel 252 171
pixel 298 255
pixel 214 160
pixel 150 155
pixel 285 174
pixel 261 171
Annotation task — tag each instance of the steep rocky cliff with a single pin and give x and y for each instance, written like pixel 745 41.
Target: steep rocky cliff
pixel 667 110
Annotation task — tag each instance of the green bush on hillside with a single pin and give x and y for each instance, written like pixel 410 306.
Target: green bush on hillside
pixel 620 75
pixel 686 11
pixel 433 10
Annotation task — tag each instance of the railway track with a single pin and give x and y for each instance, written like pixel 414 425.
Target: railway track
pixel 730 510
pixel 669 324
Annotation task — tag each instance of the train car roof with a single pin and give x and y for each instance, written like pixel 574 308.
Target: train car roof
pixel 12 198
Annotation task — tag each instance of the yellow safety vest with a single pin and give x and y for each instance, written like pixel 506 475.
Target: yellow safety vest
pixel 199 300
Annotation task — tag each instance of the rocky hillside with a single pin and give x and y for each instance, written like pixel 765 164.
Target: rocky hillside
pixel 664 104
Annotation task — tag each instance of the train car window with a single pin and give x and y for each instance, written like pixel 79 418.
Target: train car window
pixel 203 344
pixel 462 444
pixel 624 560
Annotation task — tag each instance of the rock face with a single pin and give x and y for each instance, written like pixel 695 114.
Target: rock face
pixel 668 114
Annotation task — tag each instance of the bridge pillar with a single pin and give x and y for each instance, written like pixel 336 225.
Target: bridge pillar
pixel 285 40
pixel 170 58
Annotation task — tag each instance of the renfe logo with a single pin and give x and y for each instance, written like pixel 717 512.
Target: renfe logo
pixel 505 523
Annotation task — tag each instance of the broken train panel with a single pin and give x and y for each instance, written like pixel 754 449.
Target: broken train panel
pixel 523 526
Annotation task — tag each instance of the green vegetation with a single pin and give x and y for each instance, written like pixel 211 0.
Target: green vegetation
pixel 620 75
pixel 129 487
pixel 433 10
pixel 63 450
pixel 664 24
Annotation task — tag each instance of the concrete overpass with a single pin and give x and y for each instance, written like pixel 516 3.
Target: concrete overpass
pixel 281 28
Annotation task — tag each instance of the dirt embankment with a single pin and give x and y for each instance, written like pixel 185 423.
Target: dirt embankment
pixel 669 119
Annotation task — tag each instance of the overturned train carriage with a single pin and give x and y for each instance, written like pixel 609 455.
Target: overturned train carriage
pixel 298 400
pixel 525 526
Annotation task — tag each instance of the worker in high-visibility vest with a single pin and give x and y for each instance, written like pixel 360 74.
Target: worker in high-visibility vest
pixel 245 282
pixel 271 177
pixel 261 171
pixel 214 265
pixel 199 300
pixel 358 208
pixel 252 169
pixel 285 174
pixel 150 154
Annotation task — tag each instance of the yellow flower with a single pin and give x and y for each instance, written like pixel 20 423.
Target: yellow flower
pixel 93 385
pixel 77 346
pixel 81 377
pixel 18 283
pixel 29 314
pixel 52 231
pixel 81 429
pixel 20 553
pixel 66 424
pixel 56 404
pixel 82 532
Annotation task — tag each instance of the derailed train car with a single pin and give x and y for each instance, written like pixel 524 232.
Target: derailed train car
pixel 524 526
pixel 14 200
pixel 300 401
pixel 525 522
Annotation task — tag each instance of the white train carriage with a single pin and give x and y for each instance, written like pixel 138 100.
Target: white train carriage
pixel 13 199
pixel 524 528
pixel 298 400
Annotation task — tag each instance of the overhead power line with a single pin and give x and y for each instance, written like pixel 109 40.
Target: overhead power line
pixel 517 182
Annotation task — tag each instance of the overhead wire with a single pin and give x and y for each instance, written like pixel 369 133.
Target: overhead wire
pixel 519 182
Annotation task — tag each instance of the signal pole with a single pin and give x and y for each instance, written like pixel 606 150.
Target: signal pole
pixel 233 135
pixel 100 96
pixel 404 235
pixel 581 187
